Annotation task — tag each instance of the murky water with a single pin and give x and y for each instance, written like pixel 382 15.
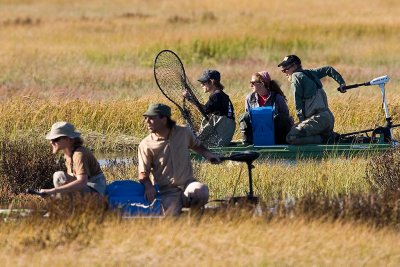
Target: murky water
pixel 106 159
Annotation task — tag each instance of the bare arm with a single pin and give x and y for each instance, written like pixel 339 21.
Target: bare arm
pixel 149 191
pixel 76 185
pixel 207 154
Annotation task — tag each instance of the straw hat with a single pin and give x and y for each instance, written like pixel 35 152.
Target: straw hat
pixel 62 128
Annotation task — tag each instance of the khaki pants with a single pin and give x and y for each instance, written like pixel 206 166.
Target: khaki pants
pixel 194 196
pixel 61 178
pixel 312 130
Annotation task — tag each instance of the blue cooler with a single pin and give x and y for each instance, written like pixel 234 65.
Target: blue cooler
pixel 127 196
pixel 262 121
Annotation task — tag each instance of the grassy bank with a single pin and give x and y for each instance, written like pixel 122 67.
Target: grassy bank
pixel 214 242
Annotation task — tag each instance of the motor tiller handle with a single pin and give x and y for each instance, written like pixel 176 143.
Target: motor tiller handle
pixel 351 86
pixel 31 191
pixel 248 157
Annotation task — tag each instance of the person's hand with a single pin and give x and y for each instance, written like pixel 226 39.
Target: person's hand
pixel 214 159
pixel 149 192
pixel 341 88
pixel 186 94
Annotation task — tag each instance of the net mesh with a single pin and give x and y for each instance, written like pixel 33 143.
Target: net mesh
pixel 173 83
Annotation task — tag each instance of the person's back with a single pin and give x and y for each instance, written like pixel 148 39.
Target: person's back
pixel 220 104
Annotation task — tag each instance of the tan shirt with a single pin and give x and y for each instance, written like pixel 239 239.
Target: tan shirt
pixel 168 159
pixel 84 162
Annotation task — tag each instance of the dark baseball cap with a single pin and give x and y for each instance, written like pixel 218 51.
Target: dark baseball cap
pixel 158 110
pixel 209 75
pixel 289 60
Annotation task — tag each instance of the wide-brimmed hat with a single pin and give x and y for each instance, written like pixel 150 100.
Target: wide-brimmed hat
pixel 158 110
pixel 289 60
pixel 62 128
pixel 209 75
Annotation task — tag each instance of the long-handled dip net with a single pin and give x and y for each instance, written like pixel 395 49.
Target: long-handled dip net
pixel 170 77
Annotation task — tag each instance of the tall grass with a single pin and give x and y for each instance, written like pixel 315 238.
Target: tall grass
pixel 118 125
pixel 214 242
pixel 48 45
pixel 90 63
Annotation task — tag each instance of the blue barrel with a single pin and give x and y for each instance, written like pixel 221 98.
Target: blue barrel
pixel 262 121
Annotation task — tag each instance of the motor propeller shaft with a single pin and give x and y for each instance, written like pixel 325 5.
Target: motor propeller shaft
pixel 377 81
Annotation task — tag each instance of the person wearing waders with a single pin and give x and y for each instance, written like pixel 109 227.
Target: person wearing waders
pixel 316 121
pixel 165 155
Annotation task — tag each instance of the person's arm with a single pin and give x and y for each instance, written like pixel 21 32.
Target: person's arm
pixel 247 105
pixel 74 186
pixel 213 104
pixel 149 190
pixel 144 167
pixel 80 172
pixel 207 154
pixel 281 105
pixel 298 97
pixel 331 72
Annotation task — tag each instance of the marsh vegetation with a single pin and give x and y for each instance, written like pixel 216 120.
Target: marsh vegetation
pixel 91 64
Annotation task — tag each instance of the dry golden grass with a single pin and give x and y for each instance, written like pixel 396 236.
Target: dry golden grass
pixel 212 242
pixel 91 63
pixel 102 50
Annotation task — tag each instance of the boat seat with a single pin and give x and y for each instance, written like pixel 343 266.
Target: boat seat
pixel 127 196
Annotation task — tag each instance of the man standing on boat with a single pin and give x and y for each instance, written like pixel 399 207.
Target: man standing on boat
pixel 316 121
pixel 165 154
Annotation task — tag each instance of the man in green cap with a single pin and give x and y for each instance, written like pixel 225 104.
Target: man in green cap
pixel 316 121
pixel 165 154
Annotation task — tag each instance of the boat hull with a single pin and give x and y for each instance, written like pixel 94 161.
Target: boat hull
pixel 296 152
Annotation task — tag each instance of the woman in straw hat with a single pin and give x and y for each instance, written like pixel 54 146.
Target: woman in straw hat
pixel 83 170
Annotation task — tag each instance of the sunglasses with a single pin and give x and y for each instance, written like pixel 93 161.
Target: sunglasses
pixel 254 82
pixel 287 68
pixel 56 140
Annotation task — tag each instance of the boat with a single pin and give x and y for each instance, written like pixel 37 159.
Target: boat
pixel 311 151
pixel 363 143
pixel 352 144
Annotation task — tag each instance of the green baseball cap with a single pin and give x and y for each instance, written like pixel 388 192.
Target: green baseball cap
pixel 158 110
